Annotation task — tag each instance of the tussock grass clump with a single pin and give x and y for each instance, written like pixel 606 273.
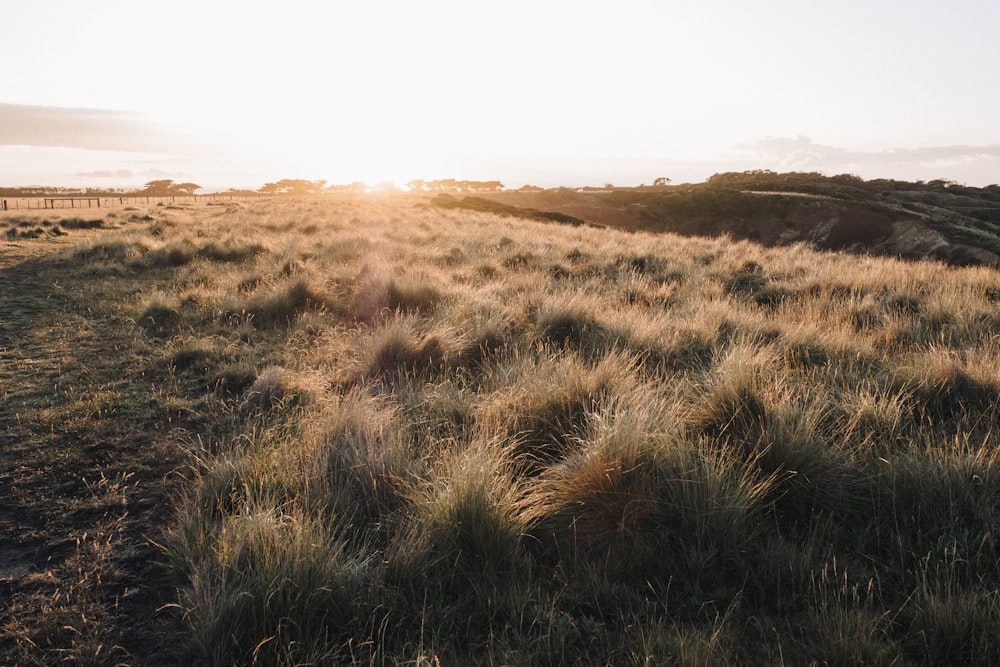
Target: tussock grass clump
pixel 812 475
pixel 945 502
pixel 411 298
pixel 461 546
pixel 657 268
pixel 547 408
pixel 644 505
pixel 278 389
pixel 361 460
pixel 279 306
pixel 172 255
pixel 109 251
pixel 573 324
pixel 875 417
pixel 467 517
pixel 377 297
pixel 230 252
pixel 80 223
pixel 277 590
pixel 396 351
pixel 747 280
pixel 948 627
pixel 733 408
pixel 599 492
pixel 233 378
pixel 161 313
pixel 191 355
pixel 485 345
pixel 944 388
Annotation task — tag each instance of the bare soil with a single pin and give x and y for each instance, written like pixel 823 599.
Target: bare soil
pixel 86 457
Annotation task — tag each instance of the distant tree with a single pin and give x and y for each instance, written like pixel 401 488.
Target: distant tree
pixel 158 187
pixel 293 186
pixel 452 185
pixel 187 188
pixel 165 187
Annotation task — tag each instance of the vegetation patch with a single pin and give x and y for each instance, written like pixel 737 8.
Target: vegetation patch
pixel 421 436
pixel 81 223
pixel 279 306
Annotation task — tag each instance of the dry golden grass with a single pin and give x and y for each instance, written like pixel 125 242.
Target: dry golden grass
pixel 437 435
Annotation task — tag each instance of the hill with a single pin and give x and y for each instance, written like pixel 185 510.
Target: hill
pixel 937 220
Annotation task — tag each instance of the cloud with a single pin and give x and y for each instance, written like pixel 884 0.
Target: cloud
pixel 92 129
pixel 967 164
pixel 107 173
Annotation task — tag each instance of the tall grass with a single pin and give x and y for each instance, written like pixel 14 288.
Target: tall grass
pixel 461 437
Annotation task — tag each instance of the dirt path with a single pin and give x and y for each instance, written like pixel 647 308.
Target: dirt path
pixel 84 470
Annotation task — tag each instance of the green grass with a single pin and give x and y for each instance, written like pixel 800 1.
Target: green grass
pixel 420 435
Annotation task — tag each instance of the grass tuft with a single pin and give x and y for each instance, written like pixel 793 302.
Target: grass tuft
pixel 732 408
pixel 278 389
pixel 397 351
pixel 280 306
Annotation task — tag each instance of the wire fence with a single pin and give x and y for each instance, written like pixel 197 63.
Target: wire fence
pixel 41 202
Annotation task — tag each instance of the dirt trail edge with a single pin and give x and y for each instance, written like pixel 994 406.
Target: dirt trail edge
pixel 85 468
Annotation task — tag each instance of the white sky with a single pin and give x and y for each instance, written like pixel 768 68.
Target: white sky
pixel 229 93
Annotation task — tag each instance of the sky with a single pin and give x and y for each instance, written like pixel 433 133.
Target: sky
pixel 115 93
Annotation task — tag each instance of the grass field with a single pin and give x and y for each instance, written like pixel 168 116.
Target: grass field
pixel 369 431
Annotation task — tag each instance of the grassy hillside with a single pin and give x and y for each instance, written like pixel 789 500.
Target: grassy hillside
pixel 404 434
pixel 937 220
